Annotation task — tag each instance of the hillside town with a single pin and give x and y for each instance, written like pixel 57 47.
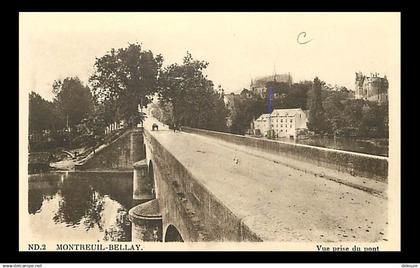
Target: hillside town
pixel 292 121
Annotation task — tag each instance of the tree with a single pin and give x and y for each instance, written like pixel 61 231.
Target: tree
pixel 123 79
pixel 163 112
pixel 73 100
pixel 317 121
pixel 357 118
pixel 278 87
pixel 290 96
pixel 334 105
pixel 246 111
pixel 374 121
pixel 192 96
pixel 42 115
pixel 297 96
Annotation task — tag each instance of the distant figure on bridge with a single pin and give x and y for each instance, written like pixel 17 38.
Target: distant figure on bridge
pixel 155 126
pixel 176 127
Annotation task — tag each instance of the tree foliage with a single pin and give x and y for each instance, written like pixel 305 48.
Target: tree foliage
pixel 317 120
pixel 291 96
pixel 245 112
pixel 357 118
pixel 194 101
pixel 42 115
pixel 73 100
pixel 163 112
pixel 123 79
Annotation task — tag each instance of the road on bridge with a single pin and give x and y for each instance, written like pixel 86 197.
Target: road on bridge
pixel 276 201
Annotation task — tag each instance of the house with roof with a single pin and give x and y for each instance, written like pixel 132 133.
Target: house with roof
pixel 260 126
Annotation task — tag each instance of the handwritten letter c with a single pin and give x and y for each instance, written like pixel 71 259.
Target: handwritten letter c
pixel 300 38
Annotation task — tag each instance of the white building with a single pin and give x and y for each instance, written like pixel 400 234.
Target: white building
pixel 261 124
pixel 284 122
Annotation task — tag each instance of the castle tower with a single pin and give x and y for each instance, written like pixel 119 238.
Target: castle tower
pixel 373 88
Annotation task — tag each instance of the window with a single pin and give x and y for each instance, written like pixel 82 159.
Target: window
pixel 290 126
pixel 281 120
pixel 291 120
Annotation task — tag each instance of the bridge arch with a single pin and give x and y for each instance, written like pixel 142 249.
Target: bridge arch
pixel 172 234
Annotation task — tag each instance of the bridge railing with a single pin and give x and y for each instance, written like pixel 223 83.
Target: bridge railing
pixel 357 164
pixel 188 203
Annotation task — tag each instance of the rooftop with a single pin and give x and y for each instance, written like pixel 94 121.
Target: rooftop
pixel 287 111
pixel 260 82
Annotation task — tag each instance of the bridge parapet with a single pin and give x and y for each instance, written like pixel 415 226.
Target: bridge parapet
pixel 357 164
pixel 188 205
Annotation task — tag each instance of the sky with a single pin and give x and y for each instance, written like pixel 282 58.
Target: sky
pixel 238 46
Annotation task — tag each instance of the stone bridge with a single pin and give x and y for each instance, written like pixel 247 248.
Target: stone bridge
pixel 199 185
pixel 212 186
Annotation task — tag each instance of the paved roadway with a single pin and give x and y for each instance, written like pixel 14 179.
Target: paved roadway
pixel 278 202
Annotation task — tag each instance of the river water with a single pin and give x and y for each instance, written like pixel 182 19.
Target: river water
pixel 82 206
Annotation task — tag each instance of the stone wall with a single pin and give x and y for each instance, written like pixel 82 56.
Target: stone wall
pixel 186 204
pixel 364 165
pixel 120 154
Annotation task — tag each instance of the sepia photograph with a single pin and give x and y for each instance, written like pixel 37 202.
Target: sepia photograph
pixel 209 131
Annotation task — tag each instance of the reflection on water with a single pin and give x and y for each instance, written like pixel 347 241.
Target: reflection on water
pixel 81 206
